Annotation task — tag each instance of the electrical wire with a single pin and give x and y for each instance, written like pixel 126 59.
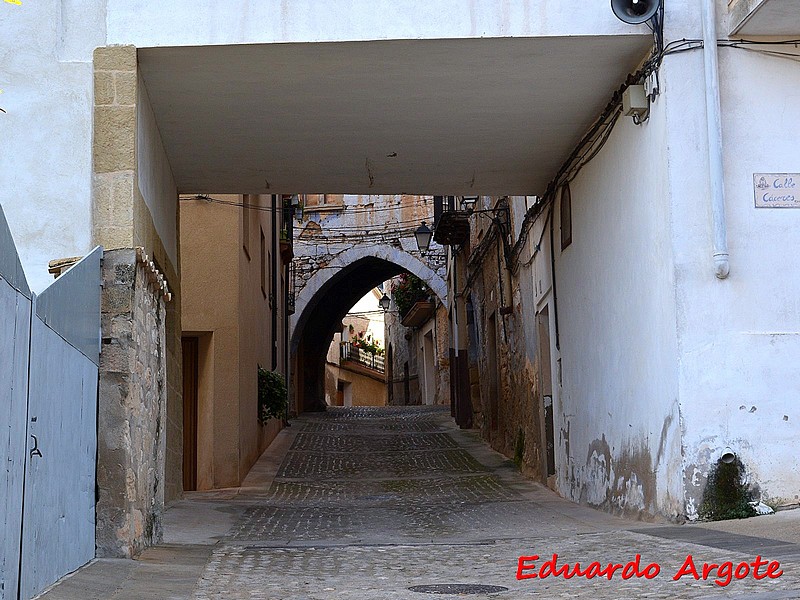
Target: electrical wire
pixel 364 226
pixel 537 248
pixel 591 144
pixel 345 208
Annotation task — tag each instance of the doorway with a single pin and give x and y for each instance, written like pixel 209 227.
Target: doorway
pixel 190 351
pixel 546 388
pixel 429 368
pixel 491 360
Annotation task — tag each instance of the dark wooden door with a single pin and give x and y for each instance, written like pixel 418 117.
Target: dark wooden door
pixel 190 381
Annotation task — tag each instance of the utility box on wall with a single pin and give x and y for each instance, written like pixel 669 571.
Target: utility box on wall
pixel 635 102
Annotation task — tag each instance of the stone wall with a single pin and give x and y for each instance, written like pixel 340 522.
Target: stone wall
pixel 310 259
pixel 517 429
pixel 139 472
pixel 323 233
pixel 336 232
pixel 132 408
pixel 442 355
pixel 405 341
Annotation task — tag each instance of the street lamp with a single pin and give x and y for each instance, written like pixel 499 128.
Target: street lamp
pixel 423 235
pixel 385 302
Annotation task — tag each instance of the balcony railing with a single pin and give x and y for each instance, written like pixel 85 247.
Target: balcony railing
pixel 372 361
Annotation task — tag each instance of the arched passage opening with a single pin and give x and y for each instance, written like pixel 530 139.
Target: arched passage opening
pixel 325 301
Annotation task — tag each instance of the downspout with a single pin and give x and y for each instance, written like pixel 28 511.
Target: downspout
pixel 553 277
pixel 714 124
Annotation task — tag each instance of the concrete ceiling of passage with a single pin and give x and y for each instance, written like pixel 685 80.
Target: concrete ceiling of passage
pixel 447 116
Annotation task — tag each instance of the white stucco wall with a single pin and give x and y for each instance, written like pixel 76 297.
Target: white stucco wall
pixel 739 338
pixel 193 22
pixel 617 422
pixel 45 163
pixel 369 308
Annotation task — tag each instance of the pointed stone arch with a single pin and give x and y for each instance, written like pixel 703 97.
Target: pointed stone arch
pixel 328 295
pixel 324 279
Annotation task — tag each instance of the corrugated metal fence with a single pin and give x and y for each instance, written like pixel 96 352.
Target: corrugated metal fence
pixel 49 356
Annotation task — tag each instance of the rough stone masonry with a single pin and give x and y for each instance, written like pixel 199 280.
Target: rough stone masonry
pixel 132 403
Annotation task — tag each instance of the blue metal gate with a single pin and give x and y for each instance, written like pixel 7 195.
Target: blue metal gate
pixel 49 357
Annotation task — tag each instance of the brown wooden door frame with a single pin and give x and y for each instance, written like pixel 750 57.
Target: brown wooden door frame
pixel 190 349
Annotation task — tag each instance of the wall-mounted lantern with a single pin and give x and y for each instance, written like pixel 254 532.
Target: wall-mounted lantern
pixel 385 302
pixel 423 234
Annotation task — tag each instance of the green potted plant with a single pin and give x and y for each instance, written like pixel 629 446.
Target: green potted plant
pixel 273 398
pixel 407 291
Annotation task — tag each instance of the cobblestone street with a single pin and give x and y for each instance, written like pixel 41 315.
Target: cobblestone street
pixel 367 503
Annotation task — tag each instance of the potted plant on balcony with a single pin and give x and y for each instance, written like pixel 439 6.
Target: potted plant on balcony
pixel 367 344
pixel 286 246
pixel 413 299
pixel 407 290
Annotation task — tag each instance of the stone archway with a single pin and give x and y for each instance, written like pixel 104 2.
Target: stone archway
pixel 327 296
pixel 321 282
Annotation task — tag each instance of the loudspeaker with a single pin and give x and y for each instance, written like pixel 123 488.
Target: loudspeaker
pixel 635 11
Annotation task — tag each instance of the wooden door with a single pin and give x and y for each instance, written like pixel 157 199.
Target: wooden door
pixel 190 382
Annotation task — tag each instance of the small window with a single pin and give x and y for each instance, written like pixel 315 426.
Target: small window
pixel 263 263
pixel 566 216
pixel 246 225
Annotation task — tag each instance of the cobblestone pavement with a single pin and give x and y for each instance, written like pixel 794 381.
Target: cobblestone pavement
pixel 367 503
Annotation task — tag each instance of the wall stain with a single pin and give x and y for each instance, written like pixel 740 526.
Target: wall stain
pixel 662 442
pixel 625 485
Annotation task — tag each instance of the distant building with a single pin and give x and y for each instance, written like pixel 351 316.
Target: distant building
pixel 355 372
pixel 234 320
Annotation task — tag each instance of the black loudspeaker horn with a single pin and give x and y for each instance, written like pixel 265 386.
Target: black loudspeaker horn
pixel 635 11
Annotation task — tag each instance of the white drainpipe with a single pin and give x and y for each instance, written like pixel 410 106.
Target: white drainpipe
pixel 714 122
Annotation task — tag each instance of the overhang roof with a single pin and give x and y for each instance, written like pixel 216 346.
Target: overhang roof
pixel 766 18
pixel 450 116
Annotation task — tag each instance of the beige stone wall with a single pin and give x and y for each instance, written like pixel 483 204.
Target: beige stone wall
pixel 367 389
pixel 210 279
pixel 255 323
pixel 114 158
pixel 122 221
pixel 224 306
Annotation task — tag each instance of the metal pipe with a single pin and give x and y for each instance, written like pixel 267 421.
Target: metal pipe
pixel 714 124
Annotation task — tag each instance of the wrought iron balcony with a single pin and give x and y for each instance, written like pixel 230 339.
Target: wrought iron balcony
pixel 352 354
pixel 451 222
